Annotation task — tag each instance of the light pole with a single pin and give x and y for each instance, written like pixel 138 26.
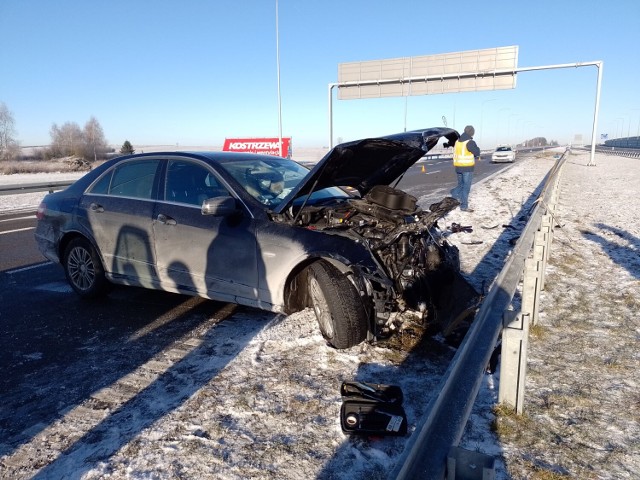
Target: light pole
pixel 506 109
pixel 482 116
pixel 509 126
pixel 524 128
pixel 278 73
pixel 628 129
pixel 614 124
pixel 516 130
pixel 618 135
pixel 541 133
pixel 635 110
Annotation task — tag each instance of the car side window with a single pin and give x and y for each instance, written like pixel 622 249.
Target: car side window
pixel 191 183
pixel 131 179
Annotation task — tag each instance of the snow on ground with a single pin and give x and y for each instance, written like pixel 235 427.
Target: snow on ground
pixel 582 400
pixel 256 395
pixel 29 201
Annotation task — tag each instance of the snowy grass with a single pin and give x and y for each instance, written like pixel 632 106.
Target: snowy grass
pixel 582 399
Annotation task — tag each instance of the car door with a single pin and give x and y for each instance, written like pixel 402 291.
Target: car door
pixel 213 256
pixel 119 209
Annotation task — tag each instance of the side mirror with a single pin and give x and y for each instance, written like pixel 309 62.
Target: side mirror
pixel 219 206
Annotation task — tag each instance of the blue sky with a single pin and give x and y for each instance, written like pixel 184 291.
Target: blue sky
pixel 193 72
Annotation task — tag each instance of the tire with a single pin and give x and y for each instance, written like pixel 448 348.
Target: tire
pixel 84 270
pixel 340 313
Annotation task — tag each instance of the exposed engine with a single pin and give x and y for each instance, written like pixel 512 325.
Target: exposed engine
pixel 405 239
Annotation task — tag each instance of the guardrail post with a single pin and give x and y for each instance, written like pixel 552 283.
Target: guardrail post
pixel 541 253
pixel 469 465
pixel 546 226
pixel 531 288
pixel 513 363
pixel 442 427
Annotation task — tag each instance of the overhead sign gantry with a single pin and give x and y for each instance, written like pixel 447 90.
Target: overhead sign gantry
pixel 468 71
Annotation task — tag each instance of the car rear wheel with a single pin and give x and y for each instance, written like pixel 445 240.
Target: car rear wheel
pixel 84 270
pixel 341 315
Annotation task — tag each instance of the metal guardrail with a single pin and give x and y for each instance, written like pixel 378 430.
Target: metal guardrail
pixel 432 156
pixel 425 456
pixel 34 187
pixel 619 152
pixel 449 154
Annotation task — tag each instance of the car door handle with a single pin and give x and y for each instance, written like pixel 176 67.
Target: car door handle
pixel 163 219
pixel 96 208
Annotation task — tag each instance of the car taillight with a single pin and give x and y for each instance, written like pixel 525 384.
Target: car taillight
pixel 42 209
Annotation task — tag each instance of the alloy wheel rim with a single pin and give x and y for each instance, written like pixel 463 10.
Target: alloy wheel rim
pixel 321 308
pixel 81 268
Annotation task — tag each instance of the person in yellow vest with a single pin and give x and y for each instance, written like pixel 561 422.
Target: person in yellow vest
pixel 465 155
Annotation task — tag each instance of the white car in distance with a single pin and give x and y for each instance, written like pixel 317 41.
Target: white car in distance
pixel 503 154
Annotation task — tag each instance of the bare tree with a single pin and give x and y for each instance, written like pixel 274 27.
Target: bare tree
pixel 8 144
pixel 56 141
pixel 67 140
pixel 94 140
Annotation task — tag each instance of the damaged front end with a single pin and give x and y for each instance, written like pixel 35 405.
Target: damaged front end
pixel 422 268
pixel 416 278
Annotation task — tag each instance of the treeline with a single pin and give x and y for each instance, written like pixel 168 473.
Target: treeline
pixel 67 140
pixel 540 142
pixel 9 146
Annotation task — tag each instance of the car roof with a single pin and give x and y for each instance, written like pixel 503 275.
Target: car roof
pixel 214 156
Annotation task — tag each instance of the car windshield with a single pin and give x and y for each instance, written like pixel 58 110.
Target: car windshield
pixel 503 149
pixel 270 180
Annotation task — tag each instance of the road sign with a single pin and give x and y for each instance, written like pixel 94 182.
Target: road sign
pixel 469 71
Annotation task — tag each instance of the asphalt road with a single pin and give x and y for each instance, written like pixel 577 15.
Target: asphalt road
pixel 56 349
pixel 17 245
pixel 438 174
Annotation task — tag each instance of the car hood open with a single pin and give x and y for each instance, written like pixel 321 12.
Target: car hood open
pixel 363 164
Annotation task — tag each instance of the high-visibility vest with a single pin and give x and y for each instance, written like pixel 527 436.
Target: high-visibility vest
pixel 462 157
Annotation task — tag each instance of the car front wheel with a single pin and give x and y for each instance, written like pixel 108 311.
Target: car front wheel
pixel 341 315
pixel 84 270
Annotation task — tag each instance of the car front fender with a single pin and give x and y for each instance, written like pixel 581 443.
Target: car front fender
pixel 283 260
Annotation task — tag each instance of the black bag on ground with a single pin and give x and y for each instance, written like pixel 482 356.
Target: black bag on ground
pixel 372 409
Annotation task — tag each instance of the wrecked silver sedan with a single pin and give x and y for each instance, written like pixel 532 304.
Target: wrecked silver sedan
pixel 263 231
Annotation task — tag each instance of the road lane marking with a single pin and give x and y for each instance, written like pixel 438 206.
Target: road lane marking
pixel 18 230
pixel 58 287
pixel 30 267
pixel 30 217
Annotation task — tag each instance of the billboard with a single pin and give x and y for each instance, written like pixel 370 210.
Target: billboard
pixel 469 71
pixel 263 145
